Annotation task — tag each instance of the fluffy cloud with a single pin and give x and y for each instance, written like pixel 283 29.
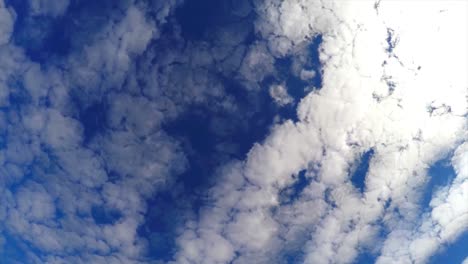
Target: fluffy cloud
pixel 280 95
pixel 83 144
pixel 445 222
pixel 62 196
pixel 6 22
pixel 377 93
pixel 82 197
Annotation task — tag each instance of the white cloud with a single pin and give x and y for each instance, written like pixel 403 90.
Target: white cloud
pixel 356 109
pixel 307 74
pixel 7 19
pixel 246 219
pixel 104 63
pixel 58 181
pixel 280 95
pixel 256 64
pixel 131 158
pixel 35 204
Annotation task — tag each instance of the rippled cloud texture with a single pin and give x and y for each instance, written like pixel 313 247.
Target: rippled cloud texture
pixel 172 131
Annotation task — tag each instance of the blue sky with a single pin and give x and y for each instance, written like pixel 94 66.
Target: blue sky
pixel 137 131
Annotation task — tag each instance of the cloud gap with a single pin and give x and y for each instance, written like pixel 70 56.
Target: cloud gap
pixel 365 258
pixel 165 215
pixel 105 216
pixel 358 176
pixel 199 19
pixel 291 193
pixel 315 63
pixel 440 174
pixel 13 249
pixel 93 119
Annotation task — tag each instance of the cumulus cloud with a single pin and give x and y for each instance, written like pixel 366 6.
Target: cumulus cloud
pixel 6 21
pixel 62 196
pixel 104 63
pixel 307 74
pixel 375 95
pixel 280 95
pixel 82 197
pixel 83 145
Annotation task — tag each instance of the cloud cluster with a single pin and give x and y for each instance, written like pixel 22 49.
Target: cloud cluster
pixel 86 138
pixel 381 91
pixel 84 143
pixel 75 191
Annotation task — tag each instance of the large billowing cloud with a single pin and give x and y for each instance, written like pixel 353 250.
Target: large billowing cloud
pixel 381 92
pixel 92 132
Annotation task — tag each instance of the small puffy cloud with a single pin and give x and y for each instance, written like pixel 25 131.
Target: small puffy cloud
pixel 217 249
pixel 306 75
pixel 256 64
pixel 252 230
pixel 61 132
pixel 109 55
pixel 7 20
pixel 35 204
pixel 280 95
pixel 48 7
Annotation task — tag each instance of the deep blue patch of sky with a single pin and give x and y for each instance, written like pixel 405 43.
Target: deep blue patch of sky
pixel 365 257
pixel 294 257
pixel 454 252
pixel 39 36
pixel 14 250
pixel 196 18
pixel 105 216
pixel 93 119
pixel 292 193
pixel 358 177
pixel 165 214
pixel 315 64
pixel 440 174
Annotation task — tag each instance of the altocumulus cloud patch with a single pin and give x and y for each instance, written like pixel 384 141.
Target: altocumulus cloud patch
pixel 233 131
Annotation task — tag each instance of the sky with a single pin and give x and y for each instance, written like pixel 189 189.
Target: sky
pixel 233 131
